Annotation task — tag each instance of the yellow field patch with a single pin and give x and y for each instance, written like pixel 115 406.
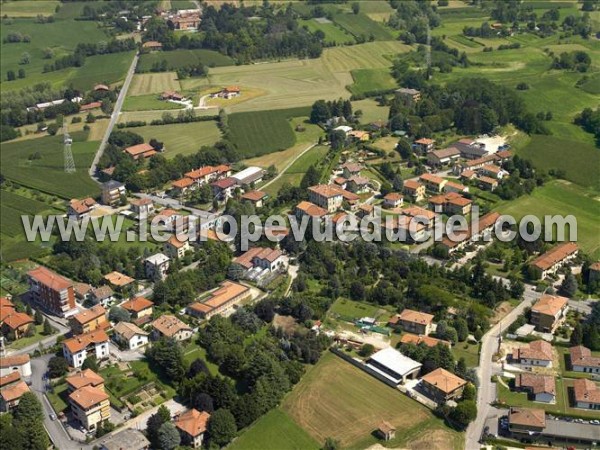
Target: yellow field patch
pixel 370 55
pixel 154 83
pixel 246 95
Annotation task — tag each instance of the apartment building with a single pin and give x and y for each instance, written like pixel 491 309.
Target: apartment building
pixel 52 291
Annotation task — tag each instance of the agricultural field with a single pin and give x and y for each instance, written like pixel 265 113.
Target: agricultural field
pixel 333 33
pixel 368 80
pixel 361 25
pixel 264 132
pixel 181 138
pixel 336 399
pixel 47 173
pixel 149 116
pixel 29 8
pixel 561 197
pixel 311 157
pixel 148 102
pixel 182 58
pixel 153 83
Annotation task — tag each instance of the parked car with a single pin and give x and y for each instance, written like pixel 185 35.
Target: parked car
pixel 52 416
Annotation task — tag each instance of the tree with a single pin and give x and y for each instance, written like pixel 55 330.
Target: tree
pixel 221 427
pixel 25 58
pixel 38 317
pixel 464 413
pixel 117 314
pixel 311 177
pixel 517 288
pixel 355 7
pixel 569 285
pixel 107 107
pixel 320 112
pixel 462 329
pixel 168 436
pixel 331 444
pixel 21 73
pixel 48 329
pixel 155 421
pixel 53 129
pixel 470 392
pixel 10 75
pixel 168 355
pixel 366 350
pixel 48 53
pixel 90 363
pixel 28 419
pixel 577 334
pixel 57 367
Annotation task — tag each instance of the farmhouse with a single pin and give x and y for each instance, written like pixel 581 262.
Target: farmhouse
pixel 393 365
pixel 15 363
pixel 487 183
pixel 192 425
pixel 89 320
pixel 408 95
pixel 549 312
pixel 350 169
pixel 541 388
pixel 84 378
pixel 555 258
pixel 536 353
pixel 220 301
pixel 78 348
pixel 101 87
pixel 433 183
pixel 409 338
pixel 228 92
pixel 78 209
pixel 424 145
pixel 102 295
pixel 140 309
pixel 393 200
pixel 443 157
pixel 12 321
pixel 582 360
pixel 171 327
pixel 140 151
pixel 586 394
pixel 257 198
pixel 52 291
pixel 90 406
pixel 12 388
pixel 176 248
pixel 90 106
pixel 172 95
pixel 156 266
pixel 443 386
pixel 413 321
pixel 112 192
pixel 309 209
pixel 414 189
pixel 130 335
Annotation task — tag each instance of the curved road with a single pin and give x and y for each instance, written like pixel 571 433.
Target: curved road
pixel 289 165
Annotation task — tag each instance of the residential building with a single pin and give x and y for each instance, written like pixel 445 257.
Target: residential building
pixel 309 209
pixel 172 95
pixel 140 309
pixel 182 186
pixel 142 208
pixel 13 323
pixel 263 258
pixel 79 209
pixel 549 312
pixel 421 215
pixel 586 394
pixel 228 92
pixel 82 291
pixel 112 192
pixel 257 198
pixel 405 229
pixel 176 248
pixel 450 203
pixel 526 420
pixel 103 295
pixel 192 425
pixel 140 151
pixel 452 186
pixel 221 301
pixel 130 336
pixel 487 183
pixel 15 363
pixel 171 327
pixel 409 338
pixel 52 291
pixel 89 320
pixel 468 174
pixel 432 183
pixel 84 378
pixel 327 196
pixel 536 353
pixel 128 439
pixel 442 157
pixel 493 171
pixel 582 360
pixel 152 45
pixel 424 145
pixel 443 386
pixel 350 169
pixel 186 21
pixel 393 366
pixel 12 388
pixel 249 176
pixel 366 210
pixel 224 188
pixel 412 321
pixel 359 135
pixel 555 258
pixel 470 149
pixel 119 280
pixel 90 406
pixel 541 388
pixel 78 348
pixel 358 184
pixel 409 96
pixel 594 273
pixel 90 106
pixel 156 266
pixel 393 200
pixel 414 189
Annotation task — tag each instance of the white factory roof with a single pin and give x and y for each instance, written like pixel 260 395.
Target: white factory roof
pixel 395 361
pixel 247 172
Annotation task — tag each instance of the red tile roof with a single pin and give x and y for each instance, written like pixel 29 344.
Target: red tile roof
pixel 137 304
pixel 192 422
pixel 555 255
pixel 50 279
pixel 78 343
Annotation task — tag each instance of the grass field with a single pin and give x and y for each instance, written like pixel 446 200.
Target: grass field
pixel 263 132
pixel 106 69
pixel 182 58
pixel 47 174
pixel 362 25
pixel 366 80
pixel 29 8
pixel 148 102
pixel 149 116
pixel 311 157
pixel 336 399
pixel 562 197
pixel 332 32
pixel 153 83
pixel 182 138
pixel 275 431
pixel 371 111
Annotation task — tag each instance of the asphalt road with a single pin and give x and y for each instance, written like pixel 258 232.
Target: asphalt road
pixel 115 116
pixel 486 391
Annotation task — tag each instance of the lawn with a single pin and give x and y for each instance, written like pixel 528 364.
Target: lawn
pixel 368 80
pixel 182 138
pixel 153 83
pixel 148 102
pixel 371 111
pixel 275 431
pixel 336 399
pixel 313 156
pixel 193 351
pixel 333 33
pixel 29 8
pixel 177 59
pixel 264 132
pixel 355 310
pixel 468 351
pixel 561 197
pixel 47 174
pixel 292 179
pixel 30 340
pixel 59 397
pixel 106 69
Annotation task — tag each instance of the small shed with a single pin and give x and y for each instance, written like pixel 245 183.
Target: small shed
pixel 386 431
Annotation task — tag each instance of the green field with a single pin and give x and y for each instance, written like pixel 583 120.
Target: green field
pixel 362 25
pixel 333 34
pixel 29 8
pixel 336 399
pixel 275 431
pixel 562 197
pixel 311 157
pixel 12 207
pixel 366 80
pixel 263 132
pixel 371 111
pixel 149 102
pixel 47 174
pixel 153 83
pixel 181 138
pixel 182 58
pixel 106 69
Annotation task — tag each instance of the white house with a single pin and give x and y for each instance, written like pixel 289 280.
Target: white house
pixel 582 360
pixel 536 353
pixel 16 363
pixel 156 266
pixel 130 335
pixel 176 248
pixel 78 348
pixel 586 394
pixel 542 388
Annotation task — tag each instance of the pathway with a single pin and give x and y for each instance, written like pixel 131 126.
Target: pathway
pixel 298 156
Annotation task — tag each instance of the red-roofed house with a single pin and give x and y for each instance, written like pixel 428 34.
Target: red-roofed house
pixel 414 189
pixel 412 321
pixel 255 197
pixel 393 200
pixel 78 209
pixel 192 426
pixel 140 151
pixel 176 248
pixel 54 292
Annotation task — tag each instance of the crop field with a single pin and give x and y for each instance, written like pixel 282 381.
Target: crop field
pixel 181 138
pixel 332 32
pixel 275 431
pixel 263 132
pixel 148 102
pixel 13 206
pixel 562 197
pixel 366 80
pixel 311 157
pixel 47 173
pixel 101 69
pixel 371 55
pixel 181 58
pixel 29 8
pixel 362 25
pixel 336 399
pixel 153 83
